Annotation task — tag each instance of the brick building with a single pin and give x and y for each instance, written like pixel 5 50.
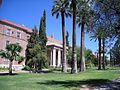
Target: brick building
pixel 13 33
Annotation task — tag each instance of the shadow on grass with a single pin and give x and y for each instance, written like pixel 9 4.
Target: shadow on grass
pixel 49 71
pixel 5 74
pixel 55 69
pixel 76 83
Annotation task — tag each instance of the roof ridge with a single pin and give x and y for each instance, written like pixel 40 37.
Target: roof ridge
pixel 17 25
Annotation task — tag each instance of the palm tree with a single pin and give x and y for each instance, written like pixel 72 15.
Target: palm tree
pixel 74 61
pixel 96 34
pixel 12 53
pixel 60 7
pixel 84 17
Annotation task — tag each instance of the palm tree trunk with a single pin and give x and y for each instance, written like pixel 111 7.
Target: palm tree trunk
pixel 64 67
pixel 103 64
pixel 10 67
pixel 74 57
pixel 99 66
pixel 83 68
pixel 110 59
pixel 97 60
pixel 114 62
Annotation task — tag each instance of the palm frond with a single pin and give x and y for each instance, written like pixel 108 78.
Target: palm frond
pixel 57 15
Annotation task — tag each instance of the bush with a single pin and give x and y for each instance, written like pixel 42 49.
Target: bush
pixel 4 69
pixel 26 68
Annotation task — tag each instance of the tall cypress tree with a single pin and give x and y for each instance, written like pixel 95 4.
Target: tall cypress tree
pixel 42 32
pixel 44 19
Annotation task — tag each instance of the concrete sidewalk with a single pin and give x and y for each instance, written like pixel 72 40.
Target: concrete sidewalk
pixel 114 85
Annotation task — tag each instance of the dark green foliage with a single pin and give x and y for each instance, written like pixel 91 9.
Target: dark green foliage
pixel 110 10
pixel 44 19
pixel 32 42
pixel 40 58
pixel 115 54
pixel 42 32
pixel 26 68
pixel 90 59
pixel 35 53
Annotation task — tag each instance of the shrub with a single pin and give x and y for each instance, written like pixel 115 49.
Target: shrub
pixel 26 68
pixel 4 69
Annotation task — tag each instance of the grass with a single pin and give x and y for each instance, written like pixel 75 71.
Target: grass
pixel 55 80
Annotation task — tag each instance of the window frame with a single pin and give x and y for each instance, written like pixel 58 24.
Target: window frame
pixel 7 42
pixel 8 33
pixel 18 35
pixel 28 38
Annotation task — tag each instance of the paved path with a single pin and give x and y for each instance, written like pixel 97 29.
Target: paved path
pixel 17 71
pixel 115 85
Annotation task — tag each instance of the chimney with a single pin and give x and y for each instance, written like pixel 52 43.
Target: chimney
pixel 52 36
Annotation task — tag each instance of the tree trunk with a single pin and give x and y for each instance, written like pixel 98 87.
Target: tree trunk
pixel 110 59
pixel 40 67
pixel 83 68
pixel 103 64
pixel 97 59
pixel 74 57
pixel 10 67
pixel 114 62
pixel 99 66
pixel 64 67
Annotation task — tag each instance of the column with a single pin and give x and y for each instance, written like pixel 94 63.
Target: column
pixel 59 58
pixel 51 64
pixel 54 57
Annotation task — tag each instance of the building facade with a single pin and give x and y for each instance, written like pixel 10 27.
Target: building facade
pixel 13 33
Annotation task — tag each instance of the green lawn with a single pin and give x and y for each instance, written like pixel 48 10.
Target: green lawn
pixel 54 80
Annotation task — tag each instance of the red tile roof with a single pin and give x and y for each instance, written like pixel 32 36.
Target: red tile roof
pixel 29 30
pixel 16 25
pixel 52 39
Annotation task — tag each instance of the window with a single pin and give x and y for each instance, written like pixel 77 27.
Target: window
pixel 17 44
pixel 7 42
pixel 8 32
pixel 28 38
pixel 6 60
pixel 18 34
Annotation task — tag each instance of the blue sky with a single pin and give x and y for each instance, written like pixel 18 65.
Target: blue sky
pixel 29 12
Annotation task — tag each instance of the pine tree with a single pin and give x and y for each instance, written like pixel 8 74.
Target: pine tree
pixel 31 43
pixel 36 57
